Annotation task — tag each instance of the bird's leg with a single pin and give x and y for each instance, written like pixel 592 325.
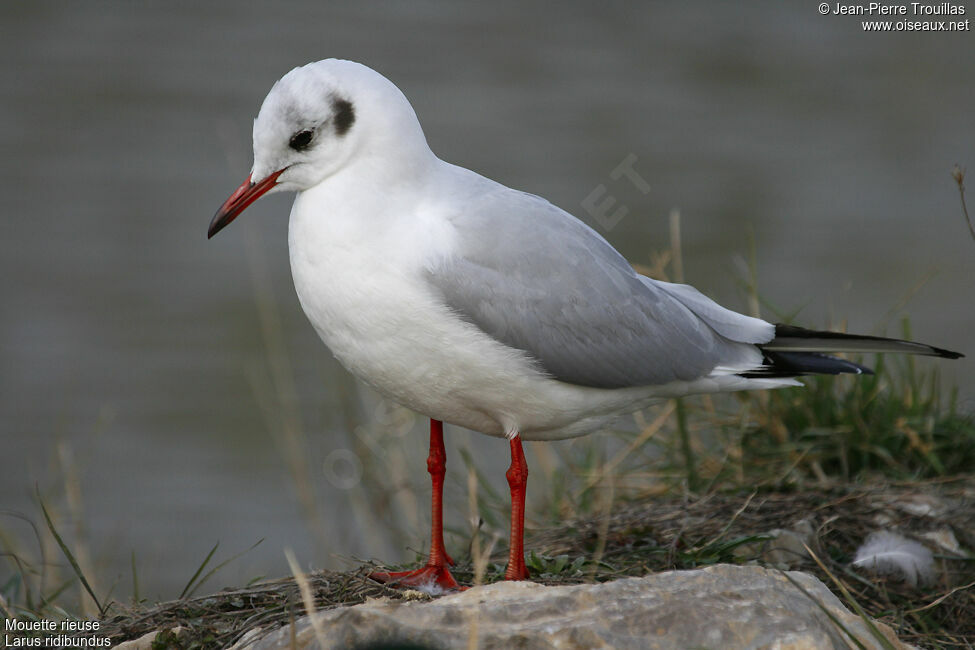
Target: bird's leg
pixel 437 466
pixel 435 572
pixel 517 476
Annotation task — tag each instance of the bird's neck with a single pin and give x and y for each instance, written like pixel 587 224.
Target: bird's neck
pixel 369 195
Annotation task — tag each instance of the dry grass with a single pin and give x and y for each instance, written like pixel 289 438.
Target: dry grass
pixel 662 534
pixel 658 534
pixel 221 619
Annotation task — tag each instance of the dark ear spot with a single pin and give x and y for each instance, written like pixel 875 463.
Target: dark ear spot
pixel 344 115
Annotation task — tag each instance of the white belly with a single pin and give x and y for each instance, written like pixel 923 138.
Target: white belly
pixel 373 308
pixel 362 285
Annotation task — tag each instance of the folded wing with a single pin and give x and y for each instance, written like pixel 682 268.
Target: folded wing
pixel 539 280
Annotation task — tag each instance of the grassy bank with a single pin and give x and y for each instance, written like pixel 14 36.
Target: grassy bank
pixel 830 464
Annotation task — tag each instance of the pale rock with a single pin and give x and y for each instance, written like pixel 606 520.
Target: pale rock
pixel 145 642
pixel 783 548
pixel 721 607
pixel 944 538
pixel 920 505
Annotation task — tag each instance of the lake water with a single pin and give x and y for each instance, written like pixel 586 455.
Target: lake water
pixel 165 377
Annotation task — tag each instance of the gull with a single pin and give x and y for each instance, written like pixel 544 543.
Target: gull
pixel 483 306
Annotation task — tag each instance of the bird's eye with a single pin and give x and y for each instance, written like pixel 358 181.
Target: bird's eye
pixel 300 140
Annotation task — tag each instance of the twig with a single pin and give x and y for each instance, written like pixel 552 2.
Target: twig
pixel 958 173
pixel 941 599
pixel 734 518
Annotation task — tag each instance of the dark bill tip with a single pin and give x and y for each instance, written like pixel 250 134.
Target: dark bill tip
pixel 242 197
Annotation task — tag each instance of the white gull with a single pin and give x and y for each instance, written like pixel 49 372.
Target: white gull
pixel 483 306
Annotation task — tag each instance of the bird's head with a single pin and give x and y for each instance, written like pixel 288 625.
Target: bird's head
pixel 315 122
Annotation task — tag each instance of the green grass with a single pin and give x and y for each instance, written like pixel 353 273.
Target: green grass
pixel 896 424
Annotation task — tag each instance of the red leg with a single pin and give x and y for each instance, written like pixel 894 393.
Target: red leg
pixel 517 476
pixel 435 572
pixel 437 466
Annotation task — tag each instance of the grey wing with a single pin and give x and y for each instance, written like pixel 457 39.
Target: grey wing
pixel 539 280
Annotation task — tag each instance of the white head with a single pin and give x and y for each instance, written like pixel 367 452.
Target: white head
pixel 320 119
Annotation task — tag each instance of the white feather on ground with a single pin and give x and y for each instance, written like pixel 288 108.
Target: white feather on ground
pixel 889 553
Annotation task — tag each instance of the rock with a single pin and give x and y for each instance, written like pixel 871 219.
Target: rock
pixel 150 640
pixel 944 538
pixel 722 607
pixel 783 548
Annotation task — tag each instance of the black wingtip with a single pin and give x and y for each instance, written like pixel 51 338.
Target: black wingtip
pixel 797 364
pixel 946 354
pixel 790 337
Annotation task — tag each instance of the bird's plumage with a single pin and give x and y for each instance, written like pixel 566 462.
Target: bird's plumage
pixel 478 304
pixel 537 279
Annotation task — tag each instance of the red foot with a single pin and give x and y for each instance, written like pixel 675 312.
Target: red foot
pixel 429 577
pixel 435 574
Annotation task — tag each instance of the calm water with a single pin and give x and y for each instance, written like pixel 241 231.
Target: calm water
pixel 161 373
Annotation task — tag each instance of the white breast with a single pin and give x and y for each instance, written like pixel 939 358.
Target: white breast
pixel 358 257
pixel 360 280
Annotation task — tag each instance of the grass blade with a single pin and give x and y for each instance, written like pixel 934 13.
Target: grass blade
pixel 884 641
pixel 135 580
pixel 685 444
pixel 70 556
pixel 304 588
pixel 199 570
pixel 212 571
pixel 829 614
